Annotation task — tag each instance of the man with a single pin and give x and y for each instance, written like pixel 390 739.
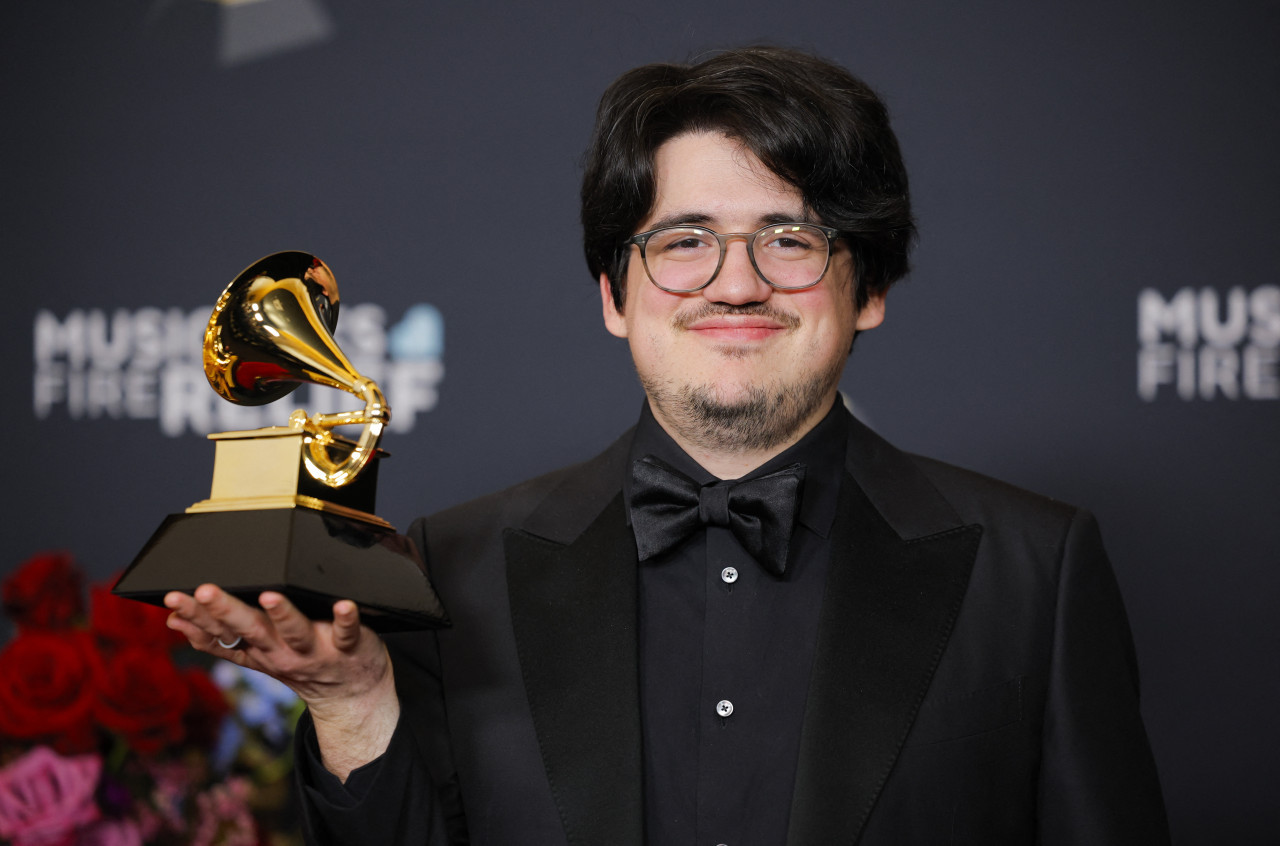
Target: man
pixel 750 620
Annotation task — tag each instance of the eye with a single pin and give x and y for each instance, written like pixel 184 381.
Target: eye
pixel 790 243
pixel 687 243
pixel 681 244
pixel 789 239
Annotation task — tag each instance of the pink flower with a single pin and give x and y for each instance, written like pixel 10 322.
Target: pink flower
pixel 173 780
pixel 110 833
pixel 224 816
pixel 44 797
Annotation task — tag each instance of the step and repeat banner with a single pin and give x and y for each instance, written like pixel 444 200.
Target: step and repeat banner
pixel 1094 311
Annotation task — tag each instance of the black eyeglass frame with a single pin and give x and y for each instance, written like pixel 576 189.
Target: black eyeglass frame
pixel 642 238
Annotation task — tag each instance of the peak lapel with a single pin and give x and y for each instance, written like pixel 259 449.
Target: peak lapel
pixel 573 609
pixel 900 566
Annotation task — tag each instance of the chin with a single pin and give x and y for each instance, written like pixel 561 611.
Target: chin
pixel 742 417
pixel 729 395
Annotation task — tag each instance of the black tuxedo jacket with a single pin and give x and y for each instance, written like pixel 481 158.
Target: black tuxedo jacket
pixel 974 679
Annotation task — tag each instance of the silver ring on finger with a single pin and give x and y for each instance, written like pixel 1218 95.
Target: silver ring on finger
pixel 235 644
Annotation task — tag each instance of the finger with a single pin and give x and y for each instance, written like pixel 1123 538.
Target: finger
pixel 205 641
pixel 293 627
pixel 196 616
pixel 184 605
pixel 233 619
pixel 196 636
pixel 346 625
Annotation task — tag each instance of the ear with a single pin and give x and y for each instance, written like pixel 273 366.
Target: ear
pixel 872 314
pixel 614 320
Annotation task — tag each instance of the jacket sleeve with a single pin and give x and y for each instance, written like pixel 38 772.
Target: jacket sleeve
pixel 1098 781
pixel 375 804
pixel 409 795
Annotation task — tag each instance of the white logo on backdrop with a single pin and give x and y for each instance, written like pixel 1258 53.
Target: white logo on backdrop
pixel 1206 344
pixel 146 365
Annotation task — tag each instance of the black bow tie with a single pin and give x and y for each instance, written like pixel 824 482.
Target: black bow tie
pixel 667 506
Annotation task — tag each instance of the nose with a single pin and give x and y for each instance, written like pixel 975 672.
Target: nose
pixel 737 283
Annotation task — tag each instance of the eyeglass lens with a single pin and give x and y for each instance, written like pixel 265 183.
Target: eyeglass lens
pixel 684 258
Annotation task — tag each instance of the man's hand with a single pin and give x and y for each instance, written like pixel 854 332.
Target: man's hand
pixel 341 670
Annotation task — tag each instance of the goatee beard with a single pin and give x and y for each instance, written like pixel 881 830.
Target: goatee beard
pixel 763 418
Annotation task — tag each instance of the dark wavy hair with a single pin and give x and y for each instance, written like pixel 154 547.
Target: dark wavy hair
pixel 808 120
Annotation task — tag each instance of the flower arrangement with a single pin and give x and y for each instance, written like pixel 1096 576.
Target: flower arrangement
pixel 110 735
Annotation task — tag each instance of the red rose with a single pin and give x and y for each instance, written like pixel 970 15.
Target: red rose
pixel 208 706
pixel 142 696
pixel 123 621
pixel 44 593
pixel 47 689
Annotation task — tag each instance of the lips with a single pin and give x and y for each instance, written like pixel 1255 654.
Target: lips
pixel 737 328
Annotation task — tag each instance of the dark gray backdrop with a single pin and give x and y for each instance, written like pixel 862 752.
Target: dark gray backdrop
pixel 1064 158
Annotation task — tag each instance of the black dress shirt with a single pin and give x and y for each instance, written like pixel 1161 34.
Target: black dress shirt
pixel 725 655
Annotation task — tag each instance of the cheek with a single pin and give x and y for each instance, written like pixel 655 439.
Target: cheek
pixel 826 312
pixel 650 311
pixel 649 335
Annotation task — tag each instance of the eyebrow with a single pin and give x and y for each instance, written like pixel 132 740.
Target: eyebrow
pixel 688 218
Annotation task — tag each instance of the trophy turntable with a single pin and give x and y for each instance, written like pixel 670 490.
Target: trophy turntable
pixel 291 507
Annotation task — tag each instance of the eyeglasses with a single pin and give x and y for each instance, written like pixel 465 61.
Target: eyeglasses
pixel 683 259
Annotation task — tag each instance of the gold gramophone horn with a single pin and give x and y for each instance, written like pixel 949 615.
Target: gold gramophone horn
pixel 271 330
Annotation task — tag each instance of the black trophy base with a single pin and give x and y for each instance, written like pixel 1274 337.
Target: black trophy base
pixel 312 557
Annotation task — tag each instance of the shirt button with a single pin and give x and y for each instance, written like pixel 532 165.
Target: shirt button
pixel 724 707
pixel 729 575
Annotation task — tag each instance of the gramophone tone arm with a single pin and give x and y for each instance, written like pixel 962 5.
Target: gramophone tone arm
pixel 375 415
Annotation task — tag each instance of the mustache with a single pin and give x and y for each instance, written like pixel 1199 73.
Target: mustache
pixel 685 319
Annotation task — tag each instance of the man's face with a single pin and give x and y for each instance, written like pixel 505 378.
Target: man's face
pixel 737 366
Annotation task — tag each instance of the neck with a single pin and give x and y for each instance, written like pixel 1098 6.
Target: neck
pixel 732 461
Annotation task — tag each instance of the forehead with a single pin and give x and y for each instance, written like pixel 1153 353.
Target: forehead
pixel 705 177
